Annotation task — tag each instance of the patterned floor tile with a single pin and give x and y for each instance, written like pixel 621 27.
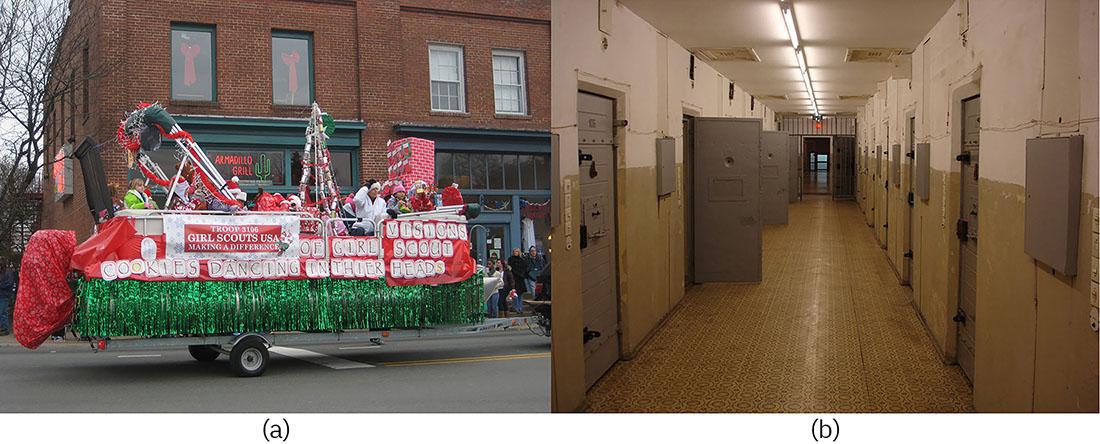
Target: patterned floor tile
pixel 828 330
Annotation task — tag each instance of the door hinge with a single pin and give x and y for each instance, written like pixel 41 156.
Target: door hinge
pixel 910 198
pixel 964 157
pixel 908 254
pixel 885 225
pixel 960 316
pixel 910 155
pixel 962 229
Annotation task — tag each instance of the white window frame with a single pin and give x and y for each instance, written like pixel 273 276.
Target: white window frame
pixel 522 68
pixel 461 77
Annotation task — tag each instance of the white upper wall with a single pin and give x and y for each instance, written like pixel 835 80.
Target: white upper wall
pixel 650 69
pixel 1027 57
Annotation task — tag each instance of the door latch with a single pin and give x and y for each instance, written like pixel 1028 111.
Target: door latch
pixel 590 335
pixel 960 316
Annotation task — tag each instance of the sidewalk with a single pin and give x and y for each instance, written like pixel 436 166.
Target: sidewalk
pixel 9 341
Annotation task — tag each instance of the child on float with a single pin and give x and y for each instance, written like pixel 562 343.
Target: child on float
pixel 399 200
pixel 137 198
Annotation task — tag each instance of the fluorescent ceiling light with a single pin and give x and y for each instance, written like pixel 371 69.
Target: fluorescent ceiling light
pixel 788 20
pixel 787 9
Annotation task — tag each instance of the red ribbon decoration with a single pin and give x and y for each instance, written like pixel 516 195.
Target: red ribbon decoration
pixel 190 51
pixel 291 62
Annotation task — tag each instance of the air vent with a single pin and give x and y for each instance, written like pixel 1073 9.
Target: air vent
pixel 885 55
pixel 863 97
pixel 728 54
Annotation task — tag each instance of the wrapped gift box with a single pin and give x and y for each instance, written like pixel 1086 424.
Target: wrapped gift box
pixel 411 159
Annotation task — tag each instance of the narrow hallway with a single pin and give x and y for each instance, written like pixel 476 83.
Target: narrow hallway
pixel 828 329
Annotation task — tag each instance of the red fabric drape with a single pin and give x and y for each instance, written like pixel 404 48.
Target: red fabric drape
pixel 45 301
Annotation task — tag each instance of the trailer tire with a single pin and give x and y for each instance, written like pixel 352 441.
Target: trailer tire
pixel 249 357
pixel 203 353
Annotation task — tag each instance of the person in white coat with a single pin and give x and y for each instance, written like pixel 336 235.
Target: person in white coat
pixel 370 209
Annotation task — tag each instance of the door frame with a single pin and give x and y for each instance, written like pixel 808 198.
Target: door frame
pixel 688 204
pixel 805 155
pixel 620 98
pixel 969 86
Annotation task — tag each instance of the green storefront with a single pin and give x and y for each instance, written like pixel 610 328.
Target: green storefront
pixel 507 172
pixel 264 152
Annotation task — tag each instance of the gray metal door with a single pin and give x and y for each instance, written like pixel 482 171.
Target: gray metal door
pixel 910 198
pixel 967 232
pixel 599 271
pixel 795 168
pixel 727 203
pixel 843 166
pixel 774 177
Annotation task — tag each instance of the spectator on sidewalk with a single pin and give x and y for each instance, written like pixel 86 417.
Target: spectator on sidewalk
pixel 7 297
pixel 535 264
pixel 509 285
pixel 518 264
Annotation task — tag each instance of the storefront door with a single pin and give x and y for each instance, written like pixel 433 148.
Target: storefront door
pixel 494 243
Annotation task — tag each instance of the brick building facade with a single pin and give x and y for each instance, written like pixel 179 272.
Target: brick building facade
pixel 222 69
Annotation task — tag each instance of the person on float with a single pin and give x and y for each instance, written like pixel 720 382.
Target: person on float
pixel 294 203
pixel 182 191
pixel 399 201
pixel 136 198
pixel 370 209
pixel 421 201
pixel 451 196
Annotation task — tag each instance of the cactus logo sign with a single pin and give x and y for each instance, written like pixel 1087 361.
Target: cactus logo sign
pixel 251 167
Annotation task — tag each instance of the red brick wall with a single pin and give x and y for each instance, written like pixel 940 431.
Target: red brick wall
pixel 369 59
pixel 478 36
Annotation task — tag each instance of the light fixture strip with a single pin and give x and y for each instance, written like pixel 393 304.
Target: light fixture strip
pixel 787 10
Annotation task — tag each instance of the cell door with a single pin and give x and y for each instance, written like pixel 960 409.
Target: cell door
pixel 910 199
pixel 774 172
pixel 795 168
pixel 843 167
pixel 727 200
pixel 599 270
pixel 967 231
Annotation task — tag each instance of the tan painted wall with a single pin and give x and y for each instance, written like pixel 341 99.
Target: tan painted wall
pixel 647 74
pixel 1035 350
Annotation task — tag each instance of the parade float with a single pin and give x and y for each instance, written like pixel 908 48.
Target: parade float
pixel 219 278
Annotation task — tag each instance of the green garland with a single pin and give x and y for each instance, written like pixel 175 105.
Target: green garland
pixel 139 308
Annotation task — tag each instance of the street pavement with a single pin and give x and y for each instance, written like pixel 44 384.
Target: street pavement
pixel 505 371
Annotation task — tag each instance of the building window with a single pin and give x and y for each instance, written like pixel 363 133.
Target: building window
pixel 493 171
pixel 448 92
pixel 291 68
pixel 193 62
pixel 72 104
pixel 508 82
pixel 85 102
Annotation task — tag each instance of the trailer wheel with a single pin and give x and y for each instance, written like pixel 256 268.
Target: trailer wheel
pixel 249 357
pixel 203 353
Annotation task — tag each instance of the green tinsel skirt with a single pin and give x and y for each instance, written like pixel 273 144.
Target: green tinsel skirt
pixel 138 308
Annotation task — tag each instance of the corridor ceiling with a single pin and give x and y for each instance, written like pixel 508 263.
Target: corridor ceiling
pixel 827 28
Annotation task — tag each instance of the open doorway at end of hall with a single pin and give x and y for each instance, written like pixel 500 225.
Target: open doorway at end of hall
pixel 815 165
